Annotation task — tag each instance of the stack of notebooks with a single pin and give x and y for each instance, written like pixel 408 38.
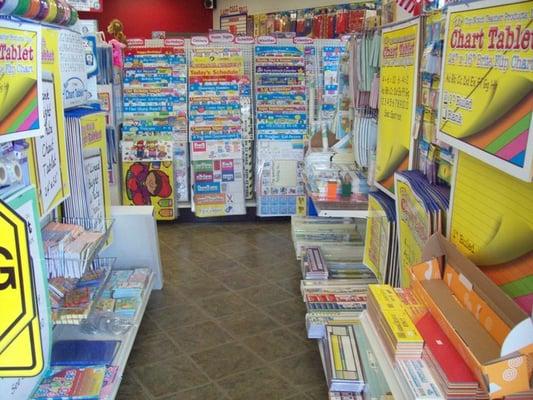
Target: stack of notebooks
pixel 342 363
pixel 387 312
pixel 80 369
pixel 449 368
pixel 313 264
pixel 68 248
pixel 381 240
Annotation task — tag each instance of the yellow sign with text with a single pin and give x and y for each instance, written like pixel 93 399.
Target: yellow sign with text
pixel 19 328
pixel 398 85
pixel 487 84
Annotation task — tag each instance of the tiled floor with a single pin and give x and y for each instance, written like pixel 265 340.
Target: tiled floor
pixel 229 324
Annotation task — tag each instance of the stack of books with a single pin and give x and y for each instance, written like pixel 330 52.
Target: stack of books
pixel 343 365
pixel 451 372
pixel 403 341
pixel 313 264
pixel 316 322
pixel 68 248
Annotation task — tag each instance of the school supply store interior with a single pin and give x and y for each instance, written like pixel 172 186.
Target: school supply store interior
pixel 266 199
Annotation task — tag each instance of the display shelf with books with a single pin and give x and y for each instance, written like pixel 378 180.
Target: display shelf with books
pixel 70 246
pixel 126 340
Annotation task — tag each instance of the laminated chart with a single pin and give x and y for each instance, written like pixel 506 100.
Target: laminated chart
pixel 331 59
pixel 155 92
pixel 219 123
pixel 155 125
pixel 217 178
pixel 280 187
pixel 281 127
pixel 487 85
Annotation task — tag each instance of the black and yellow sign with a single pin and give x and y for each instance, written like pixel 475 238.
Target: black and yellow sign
pixel 20 339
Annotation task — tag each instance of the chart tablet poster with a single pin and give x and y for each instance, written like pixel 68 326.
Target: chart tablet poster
pixel 377 239
pixel 27 356
pixel 397 101
pixel 20 81
pixel 93 133
pixel 491 222
pixel 73 69
pixel 487 84
pixel 47 155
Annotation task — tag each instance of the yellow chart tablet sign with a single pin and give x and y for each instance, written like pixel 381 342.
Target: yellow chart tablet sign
pixel 16 287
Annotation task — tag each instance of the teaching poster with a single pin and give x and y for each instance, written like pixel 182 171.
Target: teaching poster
pixel 491 222
pixel 73 68
pixel 20 81
pixel 397 101
pixel 28 354
pixel 47 155
pixel 377 239
pixel 487 84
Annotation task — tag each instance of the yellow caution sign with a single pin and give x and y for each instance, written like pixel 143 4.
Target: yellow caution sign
pixel 20 339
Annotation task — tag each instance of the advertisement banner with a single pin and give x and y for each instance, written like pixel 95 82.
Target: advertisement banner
pixel 397 101
pixel 487 84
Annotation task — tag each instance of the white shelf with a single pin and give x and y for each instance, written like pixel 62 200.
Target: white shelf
pixel 73 332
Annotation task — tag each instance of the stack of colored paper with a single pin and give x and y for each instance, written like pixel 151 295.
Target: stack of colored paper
pixel 71 383
pixel 343 366
pixel 385 308
pixel 451 372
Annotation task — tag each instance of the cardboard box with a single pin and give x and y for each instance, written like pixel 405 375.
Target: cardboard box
pixel 500 374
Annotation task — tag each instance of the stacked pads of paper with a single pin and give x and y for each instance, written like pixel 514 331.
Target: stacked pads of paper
pixel 387 312
pixel 123 292
pixel 68 248
pixel 72 299
pixel 376 386
pixel 345 235
pixel 381 240
pixel 313 264
pixel 449 368
pixel 342 363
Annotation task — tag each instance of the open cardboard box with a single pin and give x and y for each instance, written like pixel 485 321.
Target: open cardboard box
pixel 501 353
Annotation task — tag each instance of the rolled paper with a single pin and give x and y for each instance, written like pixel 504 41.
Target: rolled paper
pixel 52 11
pixel 22 7
pixel 9 6
pixel 33 10
pixel 3 174
pixel 60 15
pixel 10 172
pixel 43 11
pixel 74 17
pixel 68 11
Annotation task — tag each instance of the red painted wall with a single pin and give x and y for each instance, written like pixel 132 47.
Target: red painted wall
pixel 141 17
